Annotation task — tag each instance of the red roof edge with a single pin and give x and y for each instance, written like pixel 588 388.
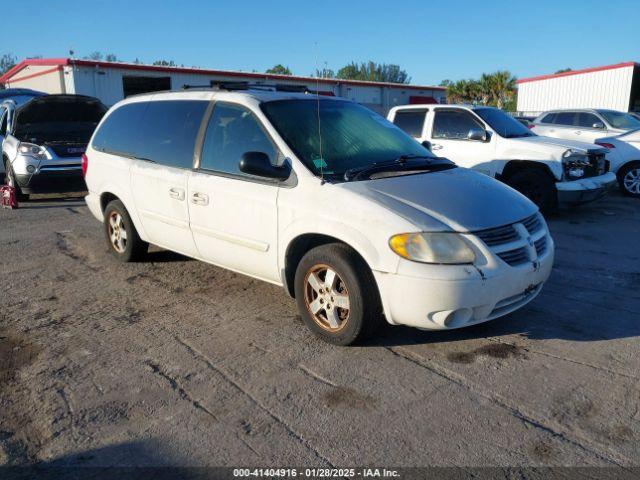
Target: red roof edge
pixel 577 72
pixel 159 68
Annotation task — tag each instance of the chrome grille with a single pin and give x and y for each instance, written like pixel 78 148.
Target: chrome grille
pixel 532 223
pixel 515 257
pixel 498 236
pixel 541 245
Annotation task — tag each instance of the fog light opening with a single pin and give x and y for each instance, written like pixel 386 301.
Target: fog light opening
pixel 31 168
pixel 458 318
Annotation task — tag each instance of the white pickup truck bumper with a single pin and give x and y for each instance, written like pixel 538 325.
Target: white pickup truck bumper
pixel 584 190
pixel 466 298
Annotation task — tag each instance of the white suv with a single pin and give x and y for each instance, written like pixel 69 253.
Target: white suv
pixel 585 125
pixel 321 196
pixel 548 171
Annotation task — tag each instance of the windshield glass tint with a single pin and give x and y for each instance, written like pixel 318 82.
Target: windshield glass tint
pixel 352 135
pixel 504 125
pixel 620 120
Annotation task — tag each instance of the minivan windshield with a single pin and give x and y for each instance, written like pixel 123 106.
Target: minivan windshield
pixel 620 120
pixel 332 137
pixel 504 125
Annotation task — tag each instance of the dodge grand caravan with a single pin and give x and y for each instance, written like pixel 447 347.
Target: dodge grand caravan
pixel 322 196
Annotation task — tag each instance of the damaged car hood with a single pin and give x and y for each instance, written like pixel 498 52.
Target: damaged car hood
pixel 458 199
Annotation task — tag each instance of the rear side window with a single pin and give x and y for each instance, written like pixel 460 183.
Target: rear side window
pixel 411 121
pixel 565 118
pixel 169 130
pixel 454 124
pixel 233 131
pixel 119 133
pixel 551 118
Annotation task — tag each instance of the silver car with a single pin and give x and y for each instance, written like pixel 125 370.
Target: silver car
pixel 43 141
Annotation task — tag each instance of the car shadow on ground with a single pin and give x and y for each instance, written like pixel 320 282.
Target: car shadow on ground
pixel 52 202
pixel 148 459
pixel 529 323
pixel 165 256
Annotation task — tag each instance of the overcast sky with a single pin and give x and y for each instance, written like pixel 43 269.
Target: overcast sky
pixel 431 40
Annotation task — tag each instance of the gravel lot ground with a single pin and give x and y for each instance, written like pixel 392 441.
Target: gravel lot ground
pixel 176 362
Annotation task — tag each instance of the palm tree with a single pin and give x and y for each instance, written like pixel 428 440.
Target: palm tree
pixel 503 87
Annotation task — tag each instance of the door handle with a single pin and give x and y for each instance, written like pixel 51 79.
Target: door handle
pixel 436 146
pixel 198 198
pixel 177 193
pixel 578 132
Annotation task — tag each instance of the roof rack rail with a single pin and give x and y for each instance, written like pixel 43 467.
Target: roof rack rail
pixel 231 86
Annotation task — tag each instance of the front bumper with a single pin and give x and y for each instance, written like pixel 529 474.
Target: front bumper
pixel 57 180
pixel 470 297
pixel 584 190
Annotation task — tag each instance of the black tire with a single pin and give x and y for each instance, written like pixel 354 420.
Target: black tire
pixel 354 280
pixel 537 186
pixel 630 169
pixel 10 179
pixel 132 248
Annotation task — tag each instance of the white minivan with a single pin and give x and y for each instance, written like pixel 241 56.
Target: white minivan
pixel 322 196
pixel 551 172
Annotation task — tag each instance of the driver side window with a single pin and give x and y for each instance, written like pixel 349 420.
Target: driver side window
pixel 453 124
pixel 232 131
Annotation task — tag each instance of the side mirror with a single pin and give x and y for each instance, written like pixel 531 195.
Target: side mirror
pixel 599 125
pixel 258 164
pixel 426 144
pixel 477 134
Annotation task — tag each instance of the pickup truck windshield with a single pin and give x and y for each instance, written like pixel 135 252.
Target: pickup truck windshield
pixel 504 125
pixel 353 137
pixel 620 120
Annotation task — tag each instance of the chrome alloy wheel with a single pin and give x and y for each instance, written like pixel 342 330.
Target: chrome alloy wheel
pixel 326 298
pixel 117 232
pixel 631 181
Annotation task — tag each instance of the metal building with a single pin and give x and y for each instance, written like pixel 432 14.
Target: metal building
pixel 615 87
pixel 113 81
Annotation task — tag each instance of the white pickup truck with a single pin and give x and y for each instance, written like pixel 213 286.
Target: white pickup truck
pixel 551 172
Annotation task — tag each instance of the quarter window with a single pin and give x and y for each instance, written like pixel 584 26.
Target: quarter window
pixel 411 121
pixel 119 133
pixel 233 131
pixel 453 124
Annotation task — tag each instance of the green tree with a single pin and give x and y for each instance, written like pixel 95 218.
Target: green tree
pixel 324 73
pixel 564 70
pixel 279 69
pixel 97 56
pixel 373 72
pixel 7 62
pixel 165 63
pixel 496 89
pixel 111 57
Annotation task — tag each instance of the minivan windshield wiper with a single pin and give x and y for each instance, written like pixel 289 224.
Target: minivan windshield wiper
pixel 399 162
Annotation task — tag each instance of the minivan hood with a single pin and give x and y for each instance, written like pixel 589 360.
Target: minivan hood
pixel 457 199
pixel 559 142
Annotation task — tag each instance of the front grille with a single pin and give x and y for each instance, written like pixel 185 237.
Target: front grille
pixel 515 257
pixel 598 165
pixel 541 245
pixel 68 150
pixel 518 243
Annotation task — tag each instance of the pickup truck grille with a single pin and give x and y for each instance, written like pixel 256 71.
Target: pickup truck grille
pixel 598 165
pixel 519 243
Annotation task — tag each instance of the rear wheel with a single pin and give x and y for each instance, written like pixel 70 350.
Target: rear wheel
pixel 10 179
pixel 629 179
pixel 336 294
pixel 122 236
pixel 537 186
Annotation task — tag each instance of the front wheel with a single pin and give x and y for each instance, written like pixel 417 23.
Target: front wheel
pixel 629 179
pixel 122 236
pixel 10 178
pixel 337 295
pixel 537 186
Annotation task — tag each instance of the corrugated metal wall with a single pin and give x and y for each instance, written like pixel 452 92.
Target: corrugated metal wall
pixel 602 89
pixel 106 84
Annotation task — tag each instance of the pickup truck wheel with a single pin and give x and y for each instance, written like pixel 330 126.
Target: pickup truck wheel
pixel 629 179
pixel 122 236
pixel 336 294
pixel 10 178
pixel 537 186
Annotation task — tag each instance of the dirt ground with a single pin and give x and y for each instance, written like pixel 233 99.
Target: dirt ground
pixel 176 362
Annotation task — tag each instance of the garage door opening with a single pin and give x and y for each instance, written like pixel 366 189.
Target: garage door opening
pixel 136 85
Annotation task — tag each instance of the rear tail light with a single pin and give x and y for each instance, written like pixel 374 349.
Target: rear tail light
pixel 531 125
pixel 606 145
pixel 85 164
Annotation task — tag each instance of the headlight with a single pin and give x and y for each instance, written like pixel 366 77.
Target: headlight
pixel 443 248
pixel 574 163
pixel 32 150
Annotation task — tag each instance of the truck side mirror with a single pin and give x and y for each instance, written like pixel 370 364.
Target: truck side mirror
pixel 426 144
pixel 477 134
pixel 598 125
